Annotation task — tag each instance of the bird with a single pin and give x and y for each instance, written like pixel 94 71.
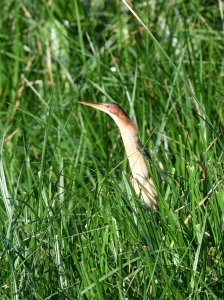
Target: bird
pixel 136 154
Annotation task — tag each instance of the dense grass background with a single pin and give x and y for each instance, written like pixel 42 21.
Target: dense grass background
pixel 71 225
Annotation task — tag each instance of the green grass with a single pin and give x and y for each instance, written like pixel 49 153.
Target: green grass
pixel 71 225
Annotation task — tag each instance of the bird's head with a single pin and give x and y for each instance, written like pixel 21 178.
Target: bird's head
pixel 112 109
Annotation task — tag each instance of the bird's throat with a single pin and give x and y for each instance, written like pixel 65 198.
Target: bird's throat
pixel 135 157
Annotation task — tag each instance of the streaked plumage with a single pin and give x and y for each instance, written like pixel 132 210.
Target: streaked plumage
pixel 141 180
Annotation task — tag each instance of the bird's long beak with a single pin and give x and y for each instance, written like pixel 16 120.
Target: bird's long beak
pixel 99 106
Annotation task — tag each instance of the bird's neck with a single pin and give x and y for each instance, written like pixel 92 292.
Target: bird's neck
pixel 136 159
